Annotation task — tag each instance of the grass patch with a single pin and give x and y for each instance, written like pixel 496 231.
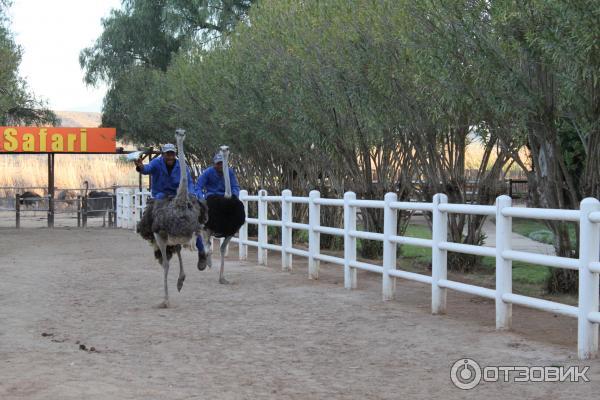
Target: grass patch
pixel 530 274
pixel 528 279
pixel 536 230
pixel 419 254
pixel 300 236
pixel 525 273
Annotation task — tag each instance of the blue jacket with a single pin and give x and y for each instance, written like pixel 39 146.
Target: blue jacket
pixel 213 183
pixel 163 184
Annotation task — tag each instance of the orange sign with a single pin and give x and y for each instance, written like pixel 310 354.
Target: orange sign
pixel 24 139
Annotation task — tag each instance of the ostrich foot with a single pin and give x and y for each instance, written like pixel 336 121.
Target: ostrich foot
pixel 164 304
pixel 180 283
pixel 202 261
pixel 223 281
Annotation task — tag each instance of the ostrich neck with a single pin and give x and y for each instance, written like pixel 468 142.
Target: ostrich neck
pixel 182 192
pixel 226 176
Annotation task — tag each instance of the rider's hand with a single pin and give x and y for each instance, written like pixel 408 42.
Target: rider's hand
pixel 139 163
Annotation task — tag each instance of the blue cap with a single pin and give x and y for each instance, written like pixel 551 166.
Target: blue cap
pixel 218 158
pixel 169 147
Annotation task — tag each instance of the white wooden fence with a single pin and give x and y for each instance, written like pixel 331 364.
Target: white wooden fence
pixel 130 204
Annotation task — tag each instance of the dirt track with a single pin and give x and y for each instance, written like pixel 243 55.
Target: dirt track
pixel 268 335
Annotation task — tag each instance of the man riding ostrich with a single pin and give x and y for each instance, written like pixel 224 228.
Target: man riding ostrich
pixel 226 215
pixel 170 221
pixel 165 173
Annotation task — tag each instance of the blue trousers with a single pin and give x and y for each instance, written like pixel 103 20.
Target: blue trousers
pixel 199 244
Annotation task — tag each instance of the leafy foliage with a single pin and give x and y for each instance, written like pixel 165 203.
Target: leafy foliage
pixel 368 96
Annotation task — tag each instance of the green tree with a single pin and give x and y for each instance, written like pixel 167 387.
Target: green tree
pixel 536 66
pixel 372 96
pixel 145 35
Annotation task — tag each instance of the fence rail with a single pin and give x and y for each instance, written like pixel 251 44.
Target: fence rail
pixel 130 204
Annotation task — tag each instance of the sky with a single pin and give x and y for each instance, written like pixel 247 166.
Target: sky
pixel 51 34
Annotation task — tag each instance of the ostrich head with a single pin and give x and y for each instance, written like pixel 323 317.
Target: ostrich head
pixel 179 135
pixel 225 150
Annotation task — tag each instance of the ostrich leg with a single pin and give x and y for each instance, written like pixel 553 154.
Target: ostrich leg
pixel 223 250
pixel 162 245
pixel 208 246
pixel 181 273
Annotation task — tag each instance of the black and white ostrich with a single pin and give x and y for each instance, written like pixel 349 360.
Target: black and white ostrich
pixel 30 199
pixel 226 216
pixel 170 223
pixel 99 203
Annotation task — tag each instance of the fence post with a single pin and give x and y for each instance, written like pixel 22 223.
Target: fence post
pixel 18 210
pixel 119 208
pixel 503 266
pixel 84 211
pixel 349 241
pixel 262 227
pixel 439 257
pixel 133 206
pixel 120 213
pixel 390 228
pixel 127 209
pixel 314 237
pixel 243 235
pixel 144 201
pixel 131 200
pixel 113 211
pixel 79 211
pixel 286 232
pixel 50 215
pixel 136 201
pixel 589 237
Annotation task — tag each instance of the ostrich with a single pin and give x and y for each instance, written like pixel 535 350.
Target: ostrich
pixel 30 199
pixel 226 215
pixel 99 203
pixel 170 223
pixel 67 198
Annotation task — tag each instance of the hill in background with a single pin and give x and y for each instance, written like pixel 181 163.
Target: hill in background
pixel 76 119
pixel 79 119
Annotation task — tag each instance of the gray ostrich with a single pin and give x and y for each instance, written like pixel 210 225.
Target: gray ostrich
pixel 226 215
pixel 168 224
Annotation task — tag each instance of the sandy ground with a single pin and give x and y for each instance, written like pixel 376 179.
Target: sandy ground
pixel 268 335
